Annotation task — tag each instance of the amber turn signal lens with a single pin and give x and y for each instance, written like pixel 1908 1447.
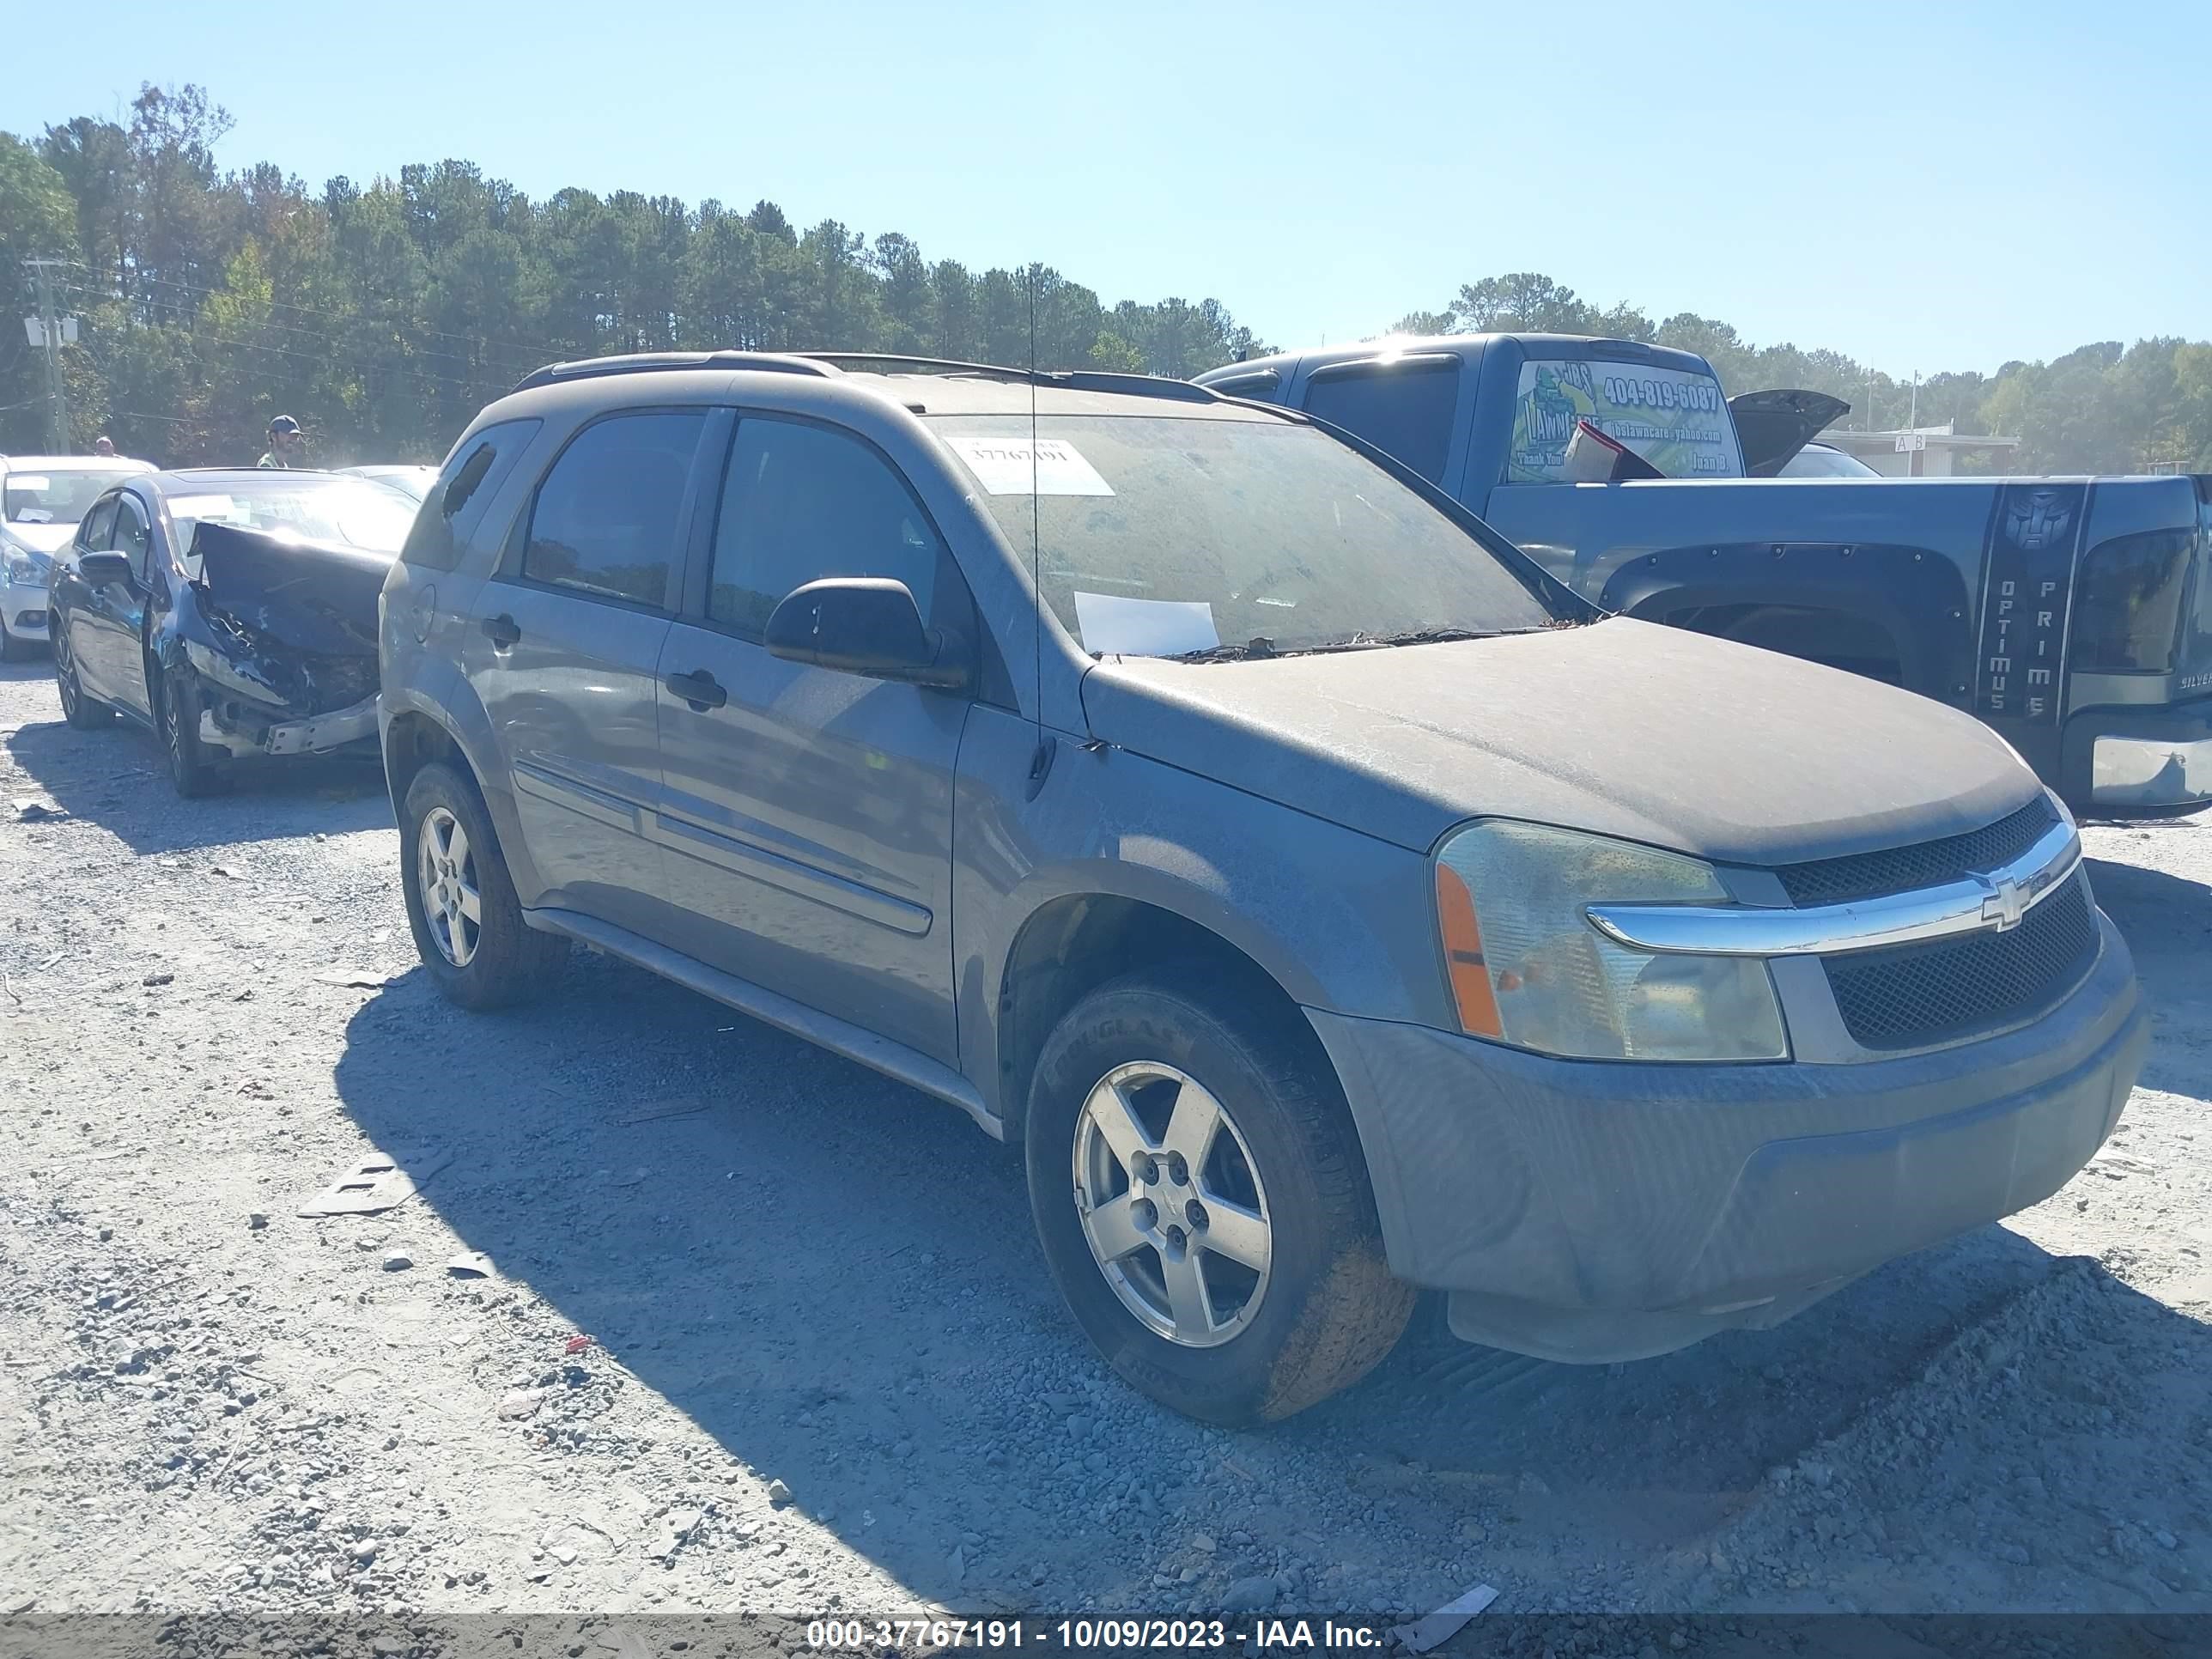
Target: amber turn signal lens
pixel 1470 977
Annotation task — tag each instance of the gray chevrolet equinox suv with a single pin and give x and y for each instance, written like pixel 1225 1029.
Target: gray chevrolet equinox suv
pixel 1330 903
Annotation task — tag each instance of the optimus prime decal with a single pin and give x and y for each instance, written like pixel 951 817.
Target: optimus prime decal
pixel 2027 594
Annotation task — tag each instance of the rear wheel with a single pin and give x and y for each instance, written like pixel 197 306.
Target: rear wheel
pixel 78 709
pixel 461 902
pixel 193 768
pixel 1203 1204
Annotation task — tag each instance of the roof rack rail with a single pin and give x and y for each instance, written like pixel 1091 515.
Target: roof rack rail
pixel 647 362
pixel 1074 379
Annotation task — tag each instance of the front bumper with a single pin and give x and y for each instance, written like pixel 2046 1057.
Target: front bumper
pixel 1594 1211
pixel 24 610
pixel 242 729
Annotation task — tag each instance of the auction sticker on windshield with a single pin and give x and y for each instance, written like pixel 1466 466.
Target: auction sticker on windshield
pixel 1013 466
pixel 1674 418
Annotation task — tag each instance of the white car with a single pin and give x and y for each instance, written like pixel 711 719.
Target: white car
pixel 41 499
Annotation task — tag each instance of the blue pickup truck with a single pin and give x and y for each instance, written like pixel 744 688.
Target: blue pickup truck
pixel 2072 615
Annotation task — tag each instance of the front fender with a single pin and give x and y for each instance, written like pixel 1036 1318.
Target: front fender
pixel 1339 920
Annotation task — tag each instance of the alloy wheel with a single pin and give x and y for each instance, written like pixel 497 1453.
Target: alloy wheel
pixel 1171 1203
pixel 446 877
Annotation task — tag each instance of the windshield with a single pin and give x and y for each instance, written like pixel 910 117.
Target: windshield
pixel 366 516
pixel 412 482
pixel 1818 461
pixel 54 497
pixel 1163 534
pixel 1674 418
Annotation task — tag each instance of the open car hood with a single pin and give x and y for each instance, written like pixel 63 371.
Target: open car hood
pixel 293 622
pixel 318 597
pixel 1773 426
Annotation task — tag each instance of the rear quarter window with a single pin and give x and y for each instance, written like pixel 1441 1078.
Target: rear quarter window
pixel 454 506
pixel 1674 418
pixel 1404 409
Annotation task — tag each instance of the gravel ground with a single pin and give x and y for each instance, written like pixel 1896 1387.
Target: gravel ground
pixel 813 1384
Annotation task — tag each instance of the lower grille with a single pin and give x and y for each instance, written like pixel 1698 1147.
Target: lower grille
pixel 1916 995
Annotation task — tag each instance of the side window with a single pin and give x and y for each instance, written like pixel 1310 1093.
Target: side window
pixel 801 503
pixel 131 534
pixel 98 526
pixel 1265 387
pixel 605 519
pixel 1405 412
pixel 456 503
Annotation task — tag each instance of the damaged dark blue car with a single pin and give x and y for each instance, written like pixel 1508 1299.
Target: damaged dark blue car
pixel 233 613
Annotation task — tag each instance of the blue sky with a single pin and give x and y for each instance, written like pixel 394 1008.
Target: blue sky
pixel 1924 186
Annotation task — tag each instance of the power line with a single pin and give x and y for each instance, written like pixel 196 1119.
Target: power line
pixel 514 344
pixel 517 370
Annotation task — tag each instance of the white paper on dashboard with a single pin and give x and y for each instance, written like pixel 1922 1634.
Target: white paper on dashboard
pixel 1112 624
pixel 1008 466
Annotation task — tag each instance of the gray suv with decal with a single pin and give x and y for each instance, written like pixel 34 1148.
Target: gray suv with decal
pixel 2073 615
pixel 1329 902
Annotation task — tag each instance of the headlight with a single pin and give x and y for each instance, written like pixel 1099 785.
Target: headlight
pixel 22 568
pixel 1528 969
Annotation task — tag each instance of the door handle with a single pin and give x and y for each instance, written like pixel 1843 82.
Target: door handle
pixel 699 689
pixel 503 629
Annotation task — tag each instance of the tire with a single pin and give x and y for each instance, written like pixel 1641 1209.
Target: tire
pixel 1244 1347
pixel 193 768
pixel 79 708
pixel 11 648
pixel 499 961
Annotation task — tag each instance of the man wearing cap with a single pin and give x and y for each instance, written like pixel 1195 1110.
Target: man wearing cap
pixel 283 438
pixel 103 444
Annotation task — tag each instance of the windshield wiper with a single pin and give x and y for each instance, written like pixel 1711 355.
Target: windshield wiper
pixel 1416 636
pixel 1256 650
pixel 1259 650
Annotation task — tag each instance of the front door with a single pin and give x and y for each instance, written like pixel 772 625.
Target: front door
pixel 563 648
pixel 101 618
pixel 808 814
pixel 125 670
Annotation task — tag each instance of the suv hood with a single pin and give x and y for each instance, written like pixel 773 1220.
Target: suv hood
pixel 1622 727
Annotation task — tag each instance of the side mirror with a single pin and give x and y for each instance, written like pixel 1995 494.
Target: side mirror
pixel 105 569
pixel 866 625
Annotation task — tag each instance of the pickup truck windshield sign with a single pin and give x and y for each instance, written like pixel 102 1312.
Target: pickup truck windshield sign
pixel 1676 419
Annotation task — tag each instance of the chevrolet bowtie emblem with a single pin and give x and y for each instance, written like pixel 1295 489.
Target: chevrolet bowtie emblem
pixel 2005 903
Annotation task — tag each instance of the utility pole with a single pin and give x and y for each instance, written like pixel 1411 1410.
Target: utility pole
pixel 57 400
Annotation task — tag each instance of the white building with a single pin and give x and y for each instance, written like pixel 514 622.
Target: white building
pixel 1920 451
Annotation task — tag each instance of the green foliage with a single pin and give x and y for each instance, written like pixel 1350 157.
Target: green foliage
pixel 384 316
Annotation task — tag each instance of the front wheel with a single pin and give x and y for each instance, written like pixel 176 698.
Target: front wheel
pixel 11 648
pixel 461 904
pixel 1203 1204
pixel 192 766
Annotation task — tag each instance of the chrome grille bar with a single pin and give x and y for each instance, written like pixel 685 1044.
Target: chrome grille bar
pixel 1991 903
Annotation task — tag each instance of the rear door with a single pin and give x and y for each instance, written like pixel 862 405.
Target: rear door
pixel 808 817
pixel 563 651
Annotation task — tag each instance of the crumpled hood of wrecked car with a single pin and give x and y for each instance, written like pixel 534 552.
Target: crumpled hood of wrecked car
pixel 1621 727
